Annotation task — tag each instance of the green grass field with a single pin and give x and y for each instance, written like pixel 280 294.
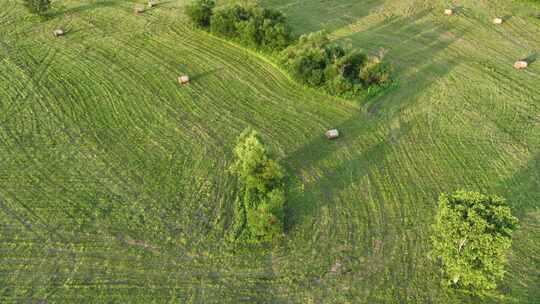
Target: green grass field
pixel 113 178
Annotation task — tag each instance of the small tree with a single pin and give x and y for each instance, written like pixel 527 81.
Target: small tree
pixel 259 210
pixel 38 7
pixel 472 236
pixel 200 12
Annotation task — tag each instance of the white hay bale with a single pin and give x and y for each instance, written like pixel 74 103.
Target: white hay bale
pixel 521 64
pixel 332 134
pixel 58 32
pixel 497 21
pixel 448 12
pixel 184 79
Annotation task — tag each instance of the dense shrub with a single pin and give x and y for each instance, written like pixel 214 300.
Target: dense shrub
pixel 259 208
pixel 38 7
pixel 255 27
pixel 472 236
pixel 200 12
pixel 314 61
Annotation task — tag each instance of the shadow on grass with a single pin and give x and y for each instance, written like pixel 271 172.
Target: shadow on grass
pixel 206 74
pixel 522 191
pixel 367 132
pixel 323 15
pixel 85 8
pixel 532 58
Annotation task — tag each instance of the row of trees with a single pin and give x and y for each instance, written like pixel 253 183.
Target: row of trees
pixel 255 27
pixel 312 59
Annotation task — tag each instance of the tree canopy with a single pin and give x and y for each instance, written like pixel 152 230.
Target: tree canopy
pixel 473 233
pixel 200 12
pixel 315 61
pixel 259 208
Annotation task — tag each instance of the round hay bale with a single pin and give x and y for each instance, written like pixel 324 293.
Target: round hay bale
pixel 332 134
pixel 521 64
pixel 183 80
pixel 448 12
pixel 497 21
pixel 58 32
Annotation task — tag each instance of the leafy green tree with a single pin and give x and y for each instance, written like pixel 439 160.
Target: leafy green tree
pixel 256 27
pixel 200 12
pixel 473 234
pixel 317 62
pixel 225 22
pixel 259 210
pixel 38 7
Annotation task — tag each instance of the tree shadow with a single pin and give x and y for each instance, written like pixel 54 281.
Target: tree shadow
pixel 319 180
pixel 85 7
pixel 206 74
pixel 506 18
pixel 412 45
pixel 522 191
pixel 317 15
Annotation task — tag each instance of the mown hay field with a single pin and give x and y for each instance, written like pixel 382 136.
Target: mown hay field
pixel 113 177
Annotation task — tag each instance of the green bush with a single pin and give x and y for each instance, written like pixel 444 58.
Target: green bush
pixel 38 7
pixel 259 209
pixel 316 62
pixel 256 27
pixel 374 72
pixel 225 22
pixel 200 12
pixel 472 236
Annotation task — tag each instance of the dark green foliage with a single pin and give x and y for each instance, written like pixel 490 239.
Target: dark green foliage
pixel 318 63
pixel 225 22
pixel 38 7
pixel 256 27
pixel 374 72
pixel 200 12
pixel 313 61
pixel 259 209
pixel 472 236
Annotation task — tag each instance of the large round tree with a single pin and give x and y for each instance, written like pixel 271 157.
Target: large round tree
pixel 473 233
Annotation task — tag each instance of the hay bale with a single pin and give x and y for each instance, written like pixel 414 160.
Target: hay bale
pixel 58 32
pixel 138 9
pixel 448 12
pixel 183 80
pixel 497 21
pixel 332 134
pixel 151 4
pixel 521 64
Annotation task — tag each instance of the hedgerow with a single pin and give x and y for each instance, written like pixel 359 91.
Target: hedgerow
pixel 253 26
pixel 312 59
